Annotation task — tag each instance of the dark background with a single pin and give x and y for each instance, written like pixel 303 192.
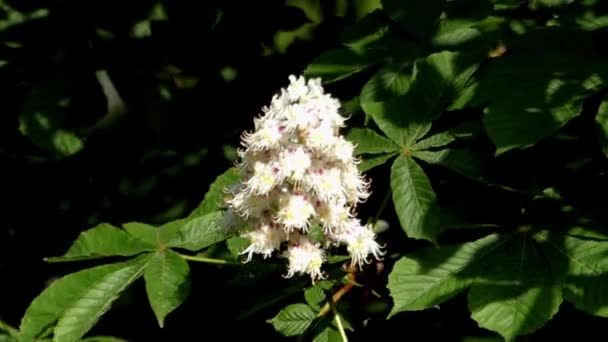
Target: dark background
pixel 189 88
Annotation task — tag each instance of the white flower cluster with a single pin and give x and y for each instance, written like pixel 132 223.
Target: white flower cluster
pixel 299 172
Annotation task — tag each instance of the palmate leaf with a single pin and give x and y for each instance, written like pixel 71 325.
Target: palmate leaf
pixel 414 199
pixel 582 264
pixel 77 300
pixel 167 277
pixel 430 276
pixel 516 293
pixel 334 65
pixel 368 141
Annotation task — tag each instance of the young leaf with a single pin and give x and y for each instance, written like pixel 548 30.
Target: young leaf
pixel 167 277
pixel 237 244
pixel 200 232
pixel 328 334
pixel 370 163
pixel 414 199
pixel 77 300
pixel 584 268
pixel 334 65
pixel 431 276
pixel 515 294
pixel 368 141
pixel 214 197
pixel 294 319
pixel 314 296
pixel 106 240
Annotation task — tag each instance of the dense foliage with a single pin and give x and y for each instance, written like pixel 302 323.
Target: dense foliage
pixel 483 126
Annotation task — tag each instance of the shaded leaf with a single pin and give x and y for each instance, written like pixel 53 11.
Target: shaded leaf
pixel 417 18
pixel 583 267
pixel 294 319
pixel 314 296
pixel 463 161
pixel 388 82
pixel 601 124
pixel 167 277
pixel 370 163
pixel 430 276
pixel 516 294
pixel 237 244
pixel 414 199
pixel 368 141
pixel 328 334
pixel 334 65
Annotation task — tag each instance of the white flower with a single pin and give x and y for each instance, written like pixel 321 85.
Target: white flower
pixel 264 240
pixel 294 212
pixel 267 136
pixel 320 138
pixel 305 257
pixel 294 163
pixel 343 150
pixel 360 242
pixel 355 185
pixel 265 177
pixel 248 206
pixel 298 171
pixel 326 183
pixel 333 215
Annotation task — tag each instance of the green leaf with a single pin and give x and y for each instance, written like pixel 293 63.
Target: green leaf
pixel 200 232
pixel 294 319
pixel 95 300
pixel 601 124
pixel 328 334
pixel 388 82
pixel 367 30
pixel 414 199
pixel 237 244
pixel 516 294
pixel 583 265
pixel 314 296
pixel 418 18
pixel 370 163
pixel 214 198
pixel 77 300
pixel 436 80
pixel 368 141
pixel 106 240
pixel 399 119
pixel 143 232
pixel 334 65
pixel 430 276
pixel 167 279
pixel 463 161
pixel 550 92
pixel 437 140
